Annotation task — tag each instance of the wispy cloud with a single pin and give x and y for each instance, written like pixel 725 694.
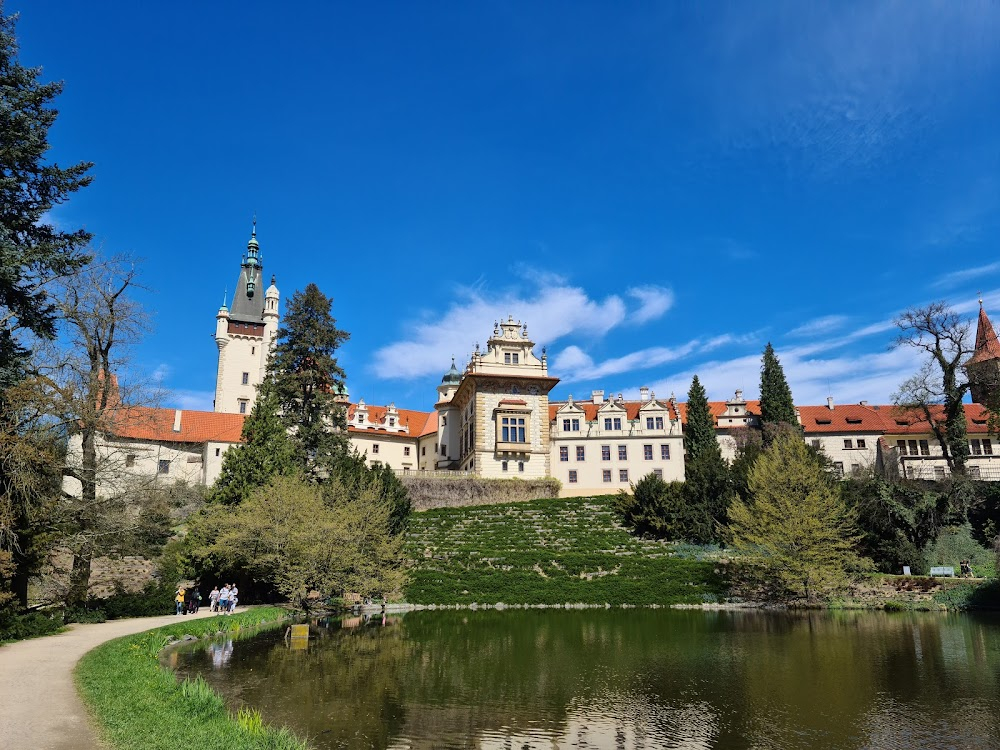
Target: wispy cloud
pixel 573 364
pixel 819 326
pixel 161 373
pixel 192 400
pixel 654 301
pixel 968 274
pixel 551 306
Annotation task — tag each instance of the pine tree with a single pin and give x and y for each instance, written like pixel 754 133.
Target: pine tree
pixel 32 250
pixel 700 433
pixel 307 378
pixel 776 404
pixel 797 526
pixel 266 452
pixel 707 485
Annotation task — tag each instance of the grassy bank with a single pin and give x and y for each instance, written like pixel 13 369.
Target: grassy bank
pixel 141 706
pixel 549 552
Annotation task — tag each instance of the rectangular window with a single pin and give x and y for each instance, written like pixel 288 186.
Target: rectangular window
pixel 658 472
pixel 838 468
pixel 520 464
pixel 848 444
pixel 987 447
pixel 572 477
pixel 513 358
pixel 565 425
pixel 855 469
pixel 217 452
pixel 973 472
pixel 246 378
pixel 939 472
pixel 606 453
pixel 623 475
pixel 912 445
pixel 901 447
pixel 576 425
pixel 406 450
pixel 512 430
pixel 375 448
pixel 506 358
pixel 130 458
pixel 253 350
pixel 607 423
pixel 649 423
pixel 861 444
pixel 392 421
pixel 163 467
pixel 579 453
pixel 606 475
pixel 815 444
pixel 618 423
pixel 665 452
pixel 659 423
pixel 925 449
pixel 647 452
pixel 623 453
pixel 243 406
pixel 503 466
pixel 975 448
pixel 563 453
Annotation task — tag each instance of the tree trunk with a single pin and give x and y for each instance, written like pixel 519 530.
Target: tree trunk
pixel 79 579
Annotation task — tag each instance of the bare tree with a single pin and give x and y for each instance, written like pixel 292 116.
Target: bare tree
pixel 86 385
pixel 936 392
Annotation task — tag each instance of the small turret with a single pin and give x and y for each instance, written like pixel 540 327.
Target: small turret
pixel 222 325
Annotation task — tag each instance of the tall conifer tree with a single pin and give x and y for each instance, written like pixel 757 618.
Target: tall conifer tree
pixel 700 433
pixel 307 380
pixel 776 404
pixel 32 250
pixel 266 452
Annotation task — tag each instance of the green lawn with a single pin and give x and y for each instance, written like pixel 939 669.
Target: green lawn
pixel 553 551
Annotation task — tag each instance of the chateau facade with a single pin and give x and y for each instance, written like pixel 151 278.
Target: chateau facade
pixel 493 418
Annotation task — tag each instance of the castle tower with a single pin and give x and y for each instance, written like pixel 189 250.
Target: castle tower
pixel 245 333
pixel 983 368
pixel 448 419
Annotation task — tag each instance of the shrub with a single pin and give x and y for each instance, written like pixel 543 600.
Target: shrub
pixel 16 626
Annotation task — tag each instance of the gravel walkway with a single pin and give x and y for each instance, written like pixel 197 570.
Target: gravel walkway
pixel 39 705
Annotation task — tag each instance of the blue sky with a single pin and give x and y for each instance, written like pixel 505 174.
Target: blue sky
pixel 658 190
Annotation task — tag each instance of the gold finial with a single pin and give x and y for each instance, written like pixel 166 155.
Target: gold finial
pixel 980 293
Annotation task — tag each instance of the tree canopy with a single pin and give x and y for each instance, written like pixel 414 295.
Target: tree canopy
pixel 699 436
pixel 33 251
pixel 796 527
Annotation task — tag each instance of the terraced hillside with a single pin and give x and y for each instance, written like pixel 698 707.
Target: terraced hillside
pixel 548 552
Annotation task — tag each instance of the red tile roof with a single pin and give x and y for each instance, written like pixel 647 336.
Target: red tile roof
pixel 145 423
pixel 900 422
pixel 842 418
pixel 420 423
pixel 590 409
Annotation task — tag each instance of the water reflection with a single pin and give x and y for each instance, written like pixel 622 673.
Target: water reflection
pixel 623 679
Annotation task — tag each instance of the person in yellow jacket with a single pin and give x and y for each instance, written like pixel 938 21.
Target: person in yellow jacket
pixel 179 599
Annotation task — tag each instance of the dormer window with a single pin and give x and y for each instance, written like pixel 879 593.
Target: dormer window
pixel 392 421
pixel 361 418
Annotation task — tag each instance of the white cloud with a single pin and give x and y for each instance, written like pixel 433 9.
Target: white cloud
pixel 819 326
pixel 573 365
pixel 552 310
pixel 968 274
pixel 654 301
pixel 161 373
pixel 192 400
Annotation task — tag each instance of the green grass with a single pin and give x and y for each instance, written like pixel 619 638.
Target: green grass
pixel 139 705
pixel 553 551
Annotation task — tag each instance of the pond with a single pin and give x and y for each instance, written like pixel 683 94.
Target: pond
pixel 622 679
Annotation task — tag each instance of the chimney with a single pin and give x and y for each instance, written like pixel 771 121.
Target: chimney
pixel 644 394
pixel 739 394
pixel 829 403
pixel 597 397
pixel 864 403
pixel 177 420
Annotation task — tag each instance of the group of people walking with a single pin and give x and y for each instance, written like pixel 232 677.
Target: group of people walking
pixel 188 599
pixel 224 600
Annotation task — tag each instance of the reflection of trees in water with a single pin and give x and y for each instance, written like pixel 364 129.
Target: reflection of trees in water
pixel 637 678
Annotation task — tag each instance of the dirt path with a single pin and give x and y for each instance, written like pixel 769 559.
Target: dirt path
pixel 39 706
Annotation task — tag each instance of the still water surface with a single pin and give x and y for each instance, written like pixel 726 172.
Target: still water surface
pixel 623 679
